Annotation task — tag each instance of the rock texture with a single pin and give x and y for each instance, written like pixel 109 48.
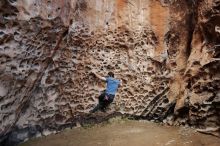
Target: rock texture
pixel 165 52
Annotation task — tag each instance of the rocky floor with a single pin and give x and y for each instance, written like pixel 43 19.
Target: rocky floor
pixel 126 133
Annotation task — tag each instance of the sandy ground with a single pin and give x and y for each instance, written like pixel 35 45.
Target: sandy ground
pixel 126 133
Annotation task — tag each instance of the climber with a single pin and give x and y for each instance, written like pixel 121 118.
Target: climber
pixel 107 95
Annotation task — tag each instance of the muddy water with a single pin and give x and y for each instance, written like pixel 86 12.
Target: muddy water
pixel 127 133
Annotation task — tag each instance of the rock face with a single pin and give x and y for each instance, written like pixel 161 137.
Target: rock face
pixel 165 52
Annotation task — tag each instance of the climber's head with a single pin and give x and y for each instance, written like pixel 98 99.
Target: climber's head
pixel 111 74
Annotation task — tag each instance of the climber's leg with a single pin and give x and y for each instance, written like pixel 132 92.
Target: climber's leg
pixel 101 103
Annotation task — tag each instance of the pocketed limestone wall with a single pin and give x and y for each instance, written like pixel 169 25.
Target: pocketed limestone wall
pixel 165 52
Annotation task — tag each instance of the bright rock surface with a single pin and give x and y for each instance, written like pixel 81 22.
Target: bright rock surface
pixel 166 53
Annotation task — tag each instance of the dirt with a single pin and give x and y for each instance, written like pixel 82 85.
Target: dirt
pixel 126 133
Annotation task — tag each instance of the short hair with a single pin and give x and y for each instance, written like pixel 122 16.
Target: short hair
pixel 111 74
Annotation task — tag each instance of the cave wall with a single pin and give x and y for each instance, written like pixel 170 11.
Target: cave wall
pixel 165 52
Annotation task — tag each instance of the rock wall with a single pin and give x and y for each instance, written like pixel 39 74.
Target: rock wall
pixel 165 52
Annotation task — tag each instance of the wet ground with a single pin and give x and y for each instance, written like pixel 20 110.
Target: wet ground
pixel 127 133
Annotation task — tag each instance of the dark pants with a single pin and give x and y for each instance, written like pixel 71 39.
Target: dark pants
pixel 104 100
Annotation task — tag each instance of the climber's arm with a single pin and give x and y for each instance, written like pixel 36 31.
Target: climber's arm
pixel 98 76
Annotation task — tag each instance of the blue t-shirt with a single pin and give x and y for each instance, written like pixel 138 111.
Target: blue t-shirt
pixel 112 85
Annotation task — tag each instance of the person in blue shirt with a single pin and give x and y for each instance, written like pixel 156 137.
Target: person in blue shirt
pixel 108 95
